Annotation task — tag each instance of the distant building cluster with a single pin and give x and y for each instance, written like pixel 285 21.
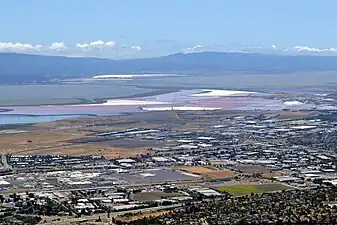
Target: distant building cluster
pixel 185 170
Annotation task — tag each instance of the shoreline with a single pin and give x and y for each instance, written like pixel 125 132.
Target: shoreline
pixel 94 101
pixel 66 114
pixel 26 124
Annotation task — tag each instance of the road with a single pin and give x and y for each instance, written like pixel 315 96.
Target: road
pixel 118 185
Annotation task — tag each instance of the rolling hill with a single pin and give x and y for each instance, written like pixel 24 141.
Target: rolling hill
pixel 16 68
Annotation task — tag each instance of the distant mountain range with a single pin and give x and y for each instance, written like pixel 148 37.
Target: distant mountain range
pixel 16 68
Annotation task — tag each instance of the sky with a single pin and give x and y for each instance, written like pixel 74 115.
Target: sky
pixel 149 28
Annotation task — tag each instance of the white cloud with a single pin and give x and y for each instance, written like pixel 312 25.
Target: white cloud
pixel 224 48
pixel 195 48
pixel 111 49
pixel 331 49
pixel 308 49
pixel 110 43
pixel 78 45
pixel 58 46
pixel 99 48
pixel 18 47
pixel 136 47
pixel 96 44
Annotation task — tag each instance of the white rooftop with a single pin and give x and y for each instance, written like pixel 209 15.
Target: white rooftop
pixel 126 161
pixel 3 182
pixel 161 159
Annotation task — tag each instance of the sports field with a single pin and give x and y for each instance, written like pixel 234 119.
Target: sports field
pixel 238 190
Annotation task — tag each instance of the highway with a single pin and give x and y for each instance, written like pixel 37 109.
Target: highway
pixel 198 182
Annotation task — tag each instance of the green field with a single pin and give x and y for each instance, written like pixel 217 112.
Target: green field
pixel 238 190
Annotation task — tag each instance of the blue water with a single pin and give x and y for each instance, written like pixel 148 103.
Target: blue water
pixel 27 119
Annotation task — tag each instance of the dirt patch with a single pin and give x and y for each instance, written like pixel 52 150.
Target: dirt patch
pixel 200 170
pixel 115 153
pixel 89 149
pixel 208 171
pixel 11 191
pixel 221 174
pixel 34 140
pixel 59 138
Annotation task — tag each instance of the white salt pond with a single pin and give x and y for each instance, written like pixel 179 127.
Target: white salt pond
pixel 222 93
pixel 293 103
pixel 121 102
pixel 182 108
